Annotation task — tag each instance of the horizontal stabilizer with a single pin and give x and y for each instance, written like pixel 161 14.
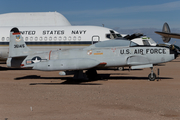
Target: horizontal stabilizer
pixel 170 35
pixel 15 61
pixel 166 33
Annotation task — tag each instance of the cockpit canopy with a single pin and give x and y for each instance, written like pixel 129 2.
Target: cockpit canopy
pixel 146 41
pixel 114 43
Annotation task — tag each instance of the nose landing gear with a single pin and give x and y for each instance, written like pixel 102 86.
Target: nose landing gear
pixel 152 75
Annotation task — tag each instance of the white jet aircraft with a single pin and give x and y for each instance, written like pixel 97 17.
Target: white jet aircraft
pixel 110 53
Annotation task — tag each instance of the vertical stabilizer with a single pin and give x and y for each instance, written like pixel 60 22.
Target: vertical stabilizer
pixel 166 29
pixel 17 46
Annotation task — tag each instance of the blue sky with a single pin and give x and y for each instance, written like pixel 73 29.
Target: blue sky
pixel 122 15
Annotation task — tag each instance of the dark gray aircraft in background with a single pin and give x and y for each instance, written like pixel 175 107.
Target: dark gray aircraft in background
pixel 166 37
pixel 111 53
pixel 166 33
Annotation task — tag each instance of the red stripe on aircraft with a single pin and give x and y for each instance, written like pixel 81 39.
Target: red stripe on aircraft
pixel 50 54
pixel 103 63
pixel 16 33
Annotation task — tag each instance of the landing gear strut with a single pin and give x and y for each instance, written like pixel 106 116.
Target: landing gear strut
pixel 79 75
pixel 152 75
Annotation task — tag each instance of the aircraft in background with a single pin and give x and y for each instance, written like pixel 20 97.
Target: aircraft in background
pixel 166 37
pixel 57 33
pixel 33 19
pixel 166 33
pixel 110 53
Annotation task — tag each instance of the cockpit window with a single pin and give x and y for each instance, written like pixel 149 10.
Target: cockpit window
pixel 152 41
pixel 111 31
pixel 132 44
pixel 112 35
pixel 145 42
pixel 118 35
pixel 108 36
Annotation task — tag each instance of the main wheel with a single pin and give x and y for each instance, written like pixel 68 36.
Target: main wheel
pixel 120 68
pixel 152 77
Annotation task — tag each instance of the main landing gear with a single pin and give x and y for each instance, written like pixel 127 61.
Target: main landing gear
pixel 152 75
pixel 120 68
pixel 90 74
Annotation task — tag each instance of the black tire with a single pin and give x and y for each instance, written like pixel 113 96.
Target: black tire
pixel 152 78
pixel 91 73
pixel 120 68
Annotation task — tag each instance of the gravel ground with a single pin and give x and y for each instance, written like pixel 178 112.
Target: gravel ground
pixel 125 95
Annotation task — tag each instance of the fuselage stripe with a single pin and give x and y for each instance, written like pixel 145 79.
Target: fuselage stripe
pixel 16 33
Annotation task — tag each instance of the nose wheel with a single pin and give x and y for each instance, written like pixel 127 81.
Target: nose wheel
pixel 152 75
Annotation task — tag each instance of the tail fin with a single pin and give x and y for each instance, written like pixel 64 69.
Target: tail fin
pixel 166 29
pixel 17 46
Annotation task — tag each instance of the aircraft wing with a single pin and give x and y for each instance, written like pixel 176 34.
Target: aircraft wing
pixel 169 35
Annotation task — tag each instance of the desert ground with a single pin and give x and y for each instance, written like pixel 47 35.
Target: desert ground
pixel 120 95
